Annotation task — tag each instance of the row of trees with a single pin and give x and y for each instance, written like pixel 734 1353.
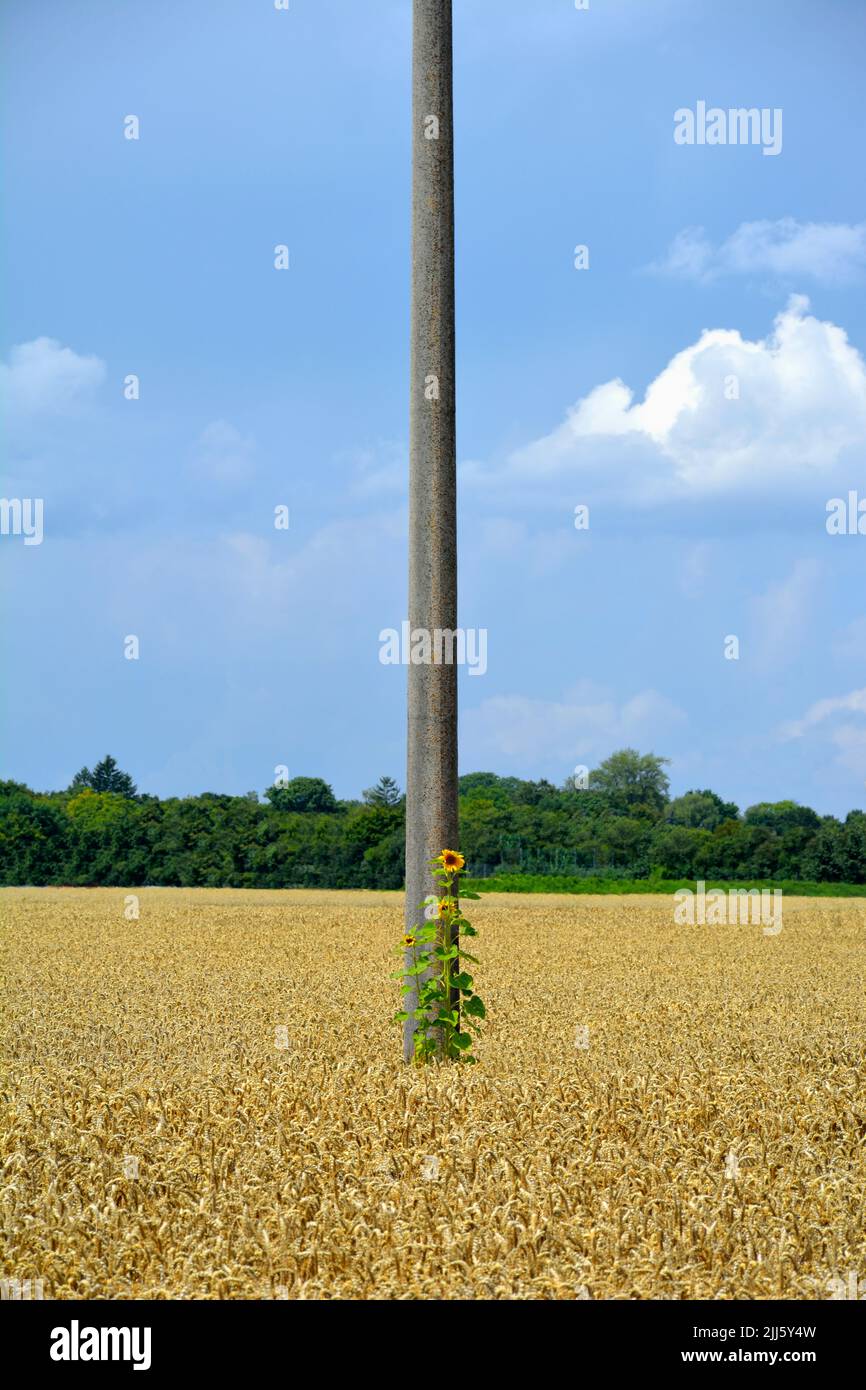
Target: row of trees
pixel 102 831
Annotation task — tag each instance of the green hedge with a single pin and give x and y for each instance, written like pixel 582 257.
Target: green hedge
pixel 552 883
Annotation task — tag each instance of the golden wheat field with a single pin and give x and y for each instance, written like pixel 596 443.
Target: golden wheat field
pixel 164 1139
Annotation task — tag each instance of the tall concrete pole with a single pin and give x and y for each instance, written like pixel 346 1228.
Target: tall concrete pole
pixel 431 780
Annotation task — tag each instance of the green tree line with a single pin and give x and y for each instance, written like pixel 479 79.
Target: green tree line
pixel 622 822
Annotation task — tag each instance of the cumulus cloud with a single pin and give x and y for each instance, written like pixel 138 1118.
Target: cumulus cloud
pixel 825 709
pixel 42 377
pixel 586 723
pixel 827 252
pixel 725 416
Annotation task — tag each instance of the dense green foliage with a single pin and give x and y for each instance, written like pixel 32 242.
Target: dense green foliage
pixel 105 777
pixel 623 825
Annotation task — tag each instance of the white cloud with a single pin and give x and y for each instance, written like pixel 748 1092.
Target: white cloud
pixel 585 724
pixel 828 252
pixel 848 738
pixel 223 454
pixel 726 415
pixel 825 709
pixel 42 377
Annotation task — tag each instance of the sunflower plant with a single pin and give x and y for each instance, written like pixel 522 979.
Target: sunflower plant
pixel 447 1007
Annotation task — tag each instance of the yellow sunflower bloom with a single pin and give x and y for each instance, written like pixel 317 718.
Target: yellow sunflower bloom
pixel 450 859
pixel 408 941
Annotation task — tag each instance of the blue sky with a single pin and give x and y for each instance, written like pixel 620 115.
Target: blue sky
pixel 603 387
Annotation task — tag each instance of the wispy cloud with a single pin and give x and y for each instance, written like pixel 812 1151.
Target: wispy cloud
pixel 782 615
pixel 822 710
pixel 222 454
pixel 586 723
pixel 827 252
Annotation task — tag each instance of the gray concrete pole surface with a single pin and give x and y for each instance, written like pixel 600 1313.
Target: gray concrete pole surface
pixel 431 778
